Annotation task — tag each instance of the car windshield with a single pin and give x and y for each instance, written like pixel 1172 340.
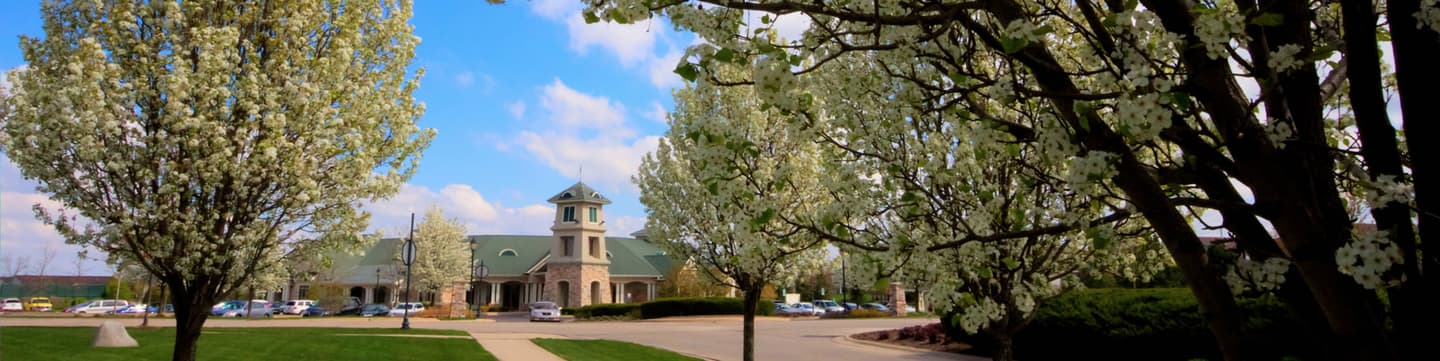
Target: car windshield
pixel 543 305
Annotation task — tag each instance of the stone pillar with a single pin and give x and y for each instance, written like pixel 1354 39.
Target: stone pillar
pixel 370 295
pixel 897 293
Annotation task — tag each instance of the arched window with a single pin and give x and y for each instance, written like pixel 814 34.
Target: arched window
pixel 564 293
pixel 507 252
pixel 595 292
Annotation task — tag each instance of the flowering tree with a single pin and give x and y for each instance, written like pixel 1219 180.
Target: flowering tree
pixel 200 139
pixel 1147 101
pixel 716 184
pixel 441 254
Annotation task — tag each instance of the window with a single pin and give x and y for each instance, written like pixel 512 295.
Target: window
pixel 569 244
pixel 608 256
pixel 594 215
pixel 595 292
pixel 569 215
pixel 304 291
pixel 507 253
pixel 564 293
pixel 595 247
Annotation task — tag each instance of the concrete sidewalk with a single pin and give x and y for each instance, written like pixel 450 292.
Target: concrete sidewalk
pixel 515 346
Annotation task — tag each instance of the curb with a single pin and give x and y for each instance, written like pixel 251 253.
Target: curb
pixel 859 342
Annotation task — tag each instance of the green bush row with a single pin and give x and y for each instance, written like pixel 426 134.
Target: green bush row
pixel 608 310
pixel 667 307
pixel 1147 324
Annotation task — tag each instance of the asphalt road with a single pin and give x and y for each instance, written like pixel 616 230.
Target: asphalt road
pixel 714 338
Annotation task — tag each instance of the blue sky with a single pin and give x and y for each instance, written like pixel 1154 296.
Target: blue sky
pixel 522 95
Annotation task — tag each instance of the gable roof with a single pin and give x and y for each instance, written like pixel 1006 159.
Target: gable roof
pixel 628 257
pixel 529 250
pixel 580 192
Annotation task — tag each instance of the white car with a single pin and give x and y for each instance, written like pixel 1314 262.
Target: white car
pixel 99 307
pixel 829 306
pixel 544 311
pixel 807 307
pixel 412 307
pixel 13 304
pixel 295 307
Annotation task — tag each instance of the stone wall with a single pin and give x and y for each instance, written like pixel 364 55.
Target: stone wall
pixel 580 277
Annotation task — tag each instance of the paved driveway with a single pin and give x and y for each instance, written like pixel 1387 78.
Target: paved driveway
pixel 776 339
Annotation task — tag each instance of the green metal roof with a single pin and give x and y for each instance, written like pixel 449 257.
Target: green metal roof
pixel 628 256
pixel 580 192
pixel 528 251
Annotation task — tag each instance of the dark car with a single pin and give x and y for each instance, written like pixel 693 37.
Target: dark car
pixel 374 309
pixel 875 307
pixel 315 311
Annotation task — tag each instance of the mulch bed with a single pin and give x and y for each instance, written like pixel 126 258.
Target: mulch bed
pixel 929 337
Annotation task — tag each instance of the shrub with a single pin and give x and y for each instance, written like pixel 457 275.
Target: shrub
pixel 1142 324
pixel 608 310
pixel 864 313
pixel 693 306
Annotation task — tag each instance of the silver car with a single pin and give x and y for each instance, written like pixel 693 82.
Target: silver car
pixel 544 311
pixel 255 309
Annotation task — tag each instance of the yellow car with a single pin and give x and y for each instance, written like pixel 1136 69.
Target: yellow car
pixel 41 304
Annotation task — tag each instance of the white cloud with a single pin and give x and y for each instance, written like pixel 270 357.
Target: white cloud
pixel 516 109
pixel 26 236
pixel 465 79
pixel 658 113
pixel 632 44
pixel 554 9
pixel 571 109
pixel 662 71
pixel 609 162
pixel 461 201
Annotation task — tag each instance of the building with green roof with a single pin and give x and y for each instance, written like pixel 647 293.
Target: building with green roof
pixel 576 265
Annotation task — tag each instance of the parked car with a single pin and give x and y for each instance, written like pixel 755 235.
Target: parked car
pixel 39 304
pixel 134 309
pixel 850 306
pixel 403 308
pixel 315 311
pixel 829 306
pixel 13 304
pixel 98 307
pixel 278 306
pixel 253 309
pixel 782 309
pixel 352 306
pixel 295 307
pixel 809 308
pixel 875 307
pixel 544 311
pixel 374 309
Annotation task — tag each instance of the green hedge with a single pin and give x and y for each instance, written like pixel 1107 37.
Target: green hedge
pixel 693 306
pixel 610 309
pixel 1147 324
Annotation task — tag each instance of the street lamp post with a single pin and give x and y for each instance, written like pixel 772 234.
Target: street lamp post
pixel 408 256
pixel 377 286
pixel 474 293
pixel 479 273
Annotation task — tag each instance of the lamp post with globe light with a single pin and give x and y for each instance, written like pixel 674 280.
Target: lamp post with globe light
pixel 408 256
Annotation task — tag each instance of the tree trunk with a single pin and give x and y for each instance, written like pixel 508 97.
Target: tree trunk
pixel 1382 155
pixel 752 302
pixel 190 315
pixel 1415 75
pixel 1004 346
pixel 145 313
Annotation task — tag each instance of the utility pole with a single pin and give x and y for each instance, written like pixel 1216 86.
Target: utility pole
pixel 474 293
pixel 844 291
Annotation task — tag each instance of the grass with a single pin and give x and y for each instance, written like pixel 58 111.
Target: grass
pixel 225 343
pixel 606 350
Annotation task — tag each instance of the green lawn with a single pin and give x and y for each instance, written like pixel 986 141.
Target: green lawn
pixel 224 343
pixel 606 350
